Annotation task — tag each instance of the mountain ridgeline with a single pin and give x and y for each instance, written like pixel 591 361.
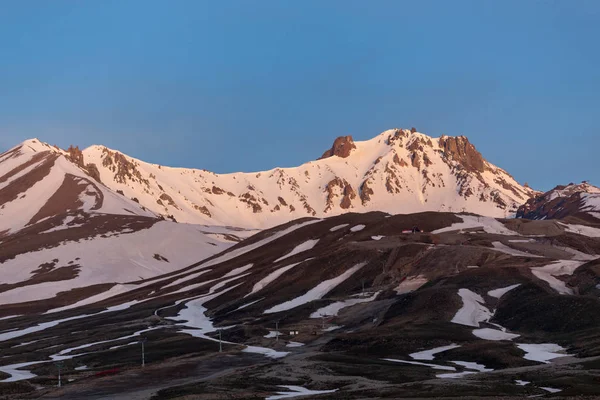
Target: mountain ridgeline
pixel 398 171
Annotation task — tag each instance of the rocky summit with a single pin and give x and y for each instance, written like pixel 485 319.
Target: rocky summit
pixel 404 266
pixel 398 171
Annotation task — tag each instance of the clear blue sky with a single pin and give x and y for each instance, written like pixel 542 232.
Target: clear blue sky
pixel 251 85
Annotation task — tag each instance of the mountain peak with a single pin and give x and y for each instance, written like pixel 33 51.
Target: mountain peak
pixel 460 149
pixel 342 146
pixel 399 170
pixel 35 145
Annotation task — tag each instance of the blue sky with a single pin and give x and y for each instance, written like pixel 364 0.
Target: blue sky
pixel 251 85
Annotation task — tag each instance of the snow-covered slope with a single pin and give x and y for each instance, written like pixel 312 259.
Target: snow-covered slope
pixel 581 200
pixel 62 230
pixel 398 171
pixel 38 181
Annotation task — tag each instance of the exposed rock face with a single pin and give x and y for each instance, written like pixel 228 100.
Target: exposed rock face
pixel 251 201
pixel 76 156
pixel 166 198
pixel 204 210
pixel 123 169
pixel 397 137
pixel 461 150
pixel 92 171
pixel 217 190
pixel 347 192
pixel 342 146
pixel 416 160
pixel 581 201
pixel 365 192
pixel 349 195
pixel 400 161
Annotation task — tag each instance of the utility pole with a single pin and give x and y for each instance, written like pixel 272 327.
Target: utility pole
pixel 143 341
pixel 59 365
pixel 220 341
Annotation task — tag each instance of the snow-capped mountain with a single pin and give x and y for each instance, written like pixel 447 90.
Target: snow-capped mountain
pixel 62 230
pixel 398 171
pixel 579 200
pixel 90 265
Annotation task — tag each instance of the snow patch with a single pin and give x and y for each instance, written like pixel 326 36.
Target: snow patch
pixel 357 228
pixel 498 246
pixel 334 308
pixel 489 225
pixel 270 353
pixel 456 375
pixel 497 293
pixel 429 355
pixel 16 373
pixel 473 311
pixel 551 390
pixel 315 293
pixel 549 273
pixel 237 271
pixel 494 334
pixel 582 230
pixel 411 284
pixel 472 366
pixel 309 244
pixel 295 391
pixel 542 352
pixel 272 276
pixel 434 366
pixel 336 228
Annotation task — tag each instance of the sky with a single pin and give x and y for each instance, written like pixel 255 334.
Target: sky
pixel 251 85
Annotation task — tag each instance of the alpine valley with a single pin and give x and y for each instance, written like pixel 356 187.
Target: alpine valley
pixel 403 266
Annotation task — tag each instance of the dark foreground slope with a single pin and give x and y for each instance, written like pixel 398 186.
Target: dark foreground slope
pixel 350 307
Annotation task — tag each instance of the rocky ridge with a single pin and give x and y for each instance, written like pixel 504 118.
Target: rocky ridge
pixel 573 200
pixel 398 171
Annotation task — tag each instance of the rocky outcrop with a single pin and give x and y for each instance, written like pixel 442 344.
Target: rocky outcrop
pixel 217 190
pixel 349 195
pixel 203 209
pixel 396 138
pixel 347 192
pixel 251 201
pixel 123 169
pixel 415 160
pixel 93 171
pixel 400 161
pixel 365 192
pixel 342 146
pixel 168 199
pixel 459 149
pixel 75 156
